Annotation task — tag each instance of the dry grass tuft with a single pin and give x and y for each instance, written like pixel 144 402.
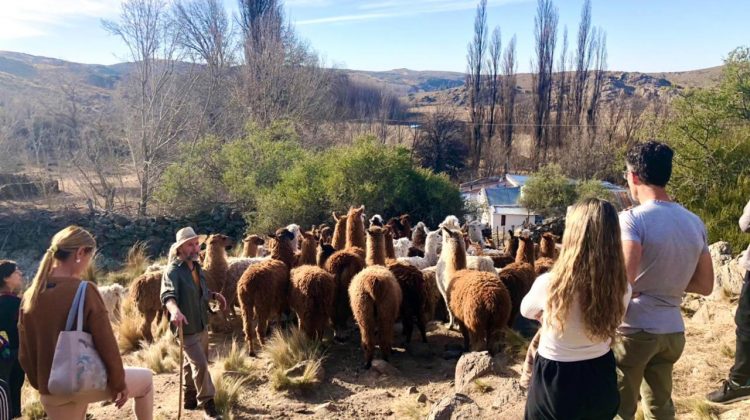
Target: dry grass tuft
pixel 515 344
pixel 409 408
pixel 227 392
pixel 482 386
pixel 137 260
pixel 161 357
pixel 128 328
pixel 236 360
pixel 703 410
pixel 32 407
pixel 287 349
pixel 727 351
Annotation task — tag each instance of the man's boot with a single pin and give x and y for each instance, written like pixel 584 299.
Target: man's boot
pixel 190 402
pixel 210 412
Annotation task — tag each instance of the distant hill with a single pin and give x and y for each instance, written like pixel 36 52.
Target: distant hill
pixel 24 77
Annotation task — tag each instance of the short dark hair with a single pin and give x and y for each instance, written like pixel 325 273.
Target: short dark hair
pixel 7 268
pixel 652 162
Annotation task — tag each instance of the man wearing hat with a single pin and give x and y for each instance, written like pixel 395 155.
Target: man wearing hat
pixel 185 294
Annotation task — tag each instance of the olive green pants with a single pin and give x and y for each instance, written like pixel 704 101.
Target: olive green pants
pixel 644 367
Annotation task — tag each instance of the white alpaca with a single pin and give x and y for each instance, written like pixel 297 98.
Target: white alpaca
pixel 112 296
pixel 472 263
pixel 294 228
pixel 431 249
pixel 451 222
pixel 401 247
pixel 475 233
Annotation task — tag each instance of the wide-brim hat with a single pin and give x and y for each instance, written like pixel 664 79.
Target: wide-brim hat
pixel 184 235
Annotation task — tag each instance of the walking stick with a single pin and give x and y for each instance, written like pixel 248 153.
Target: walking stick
pixel 179 390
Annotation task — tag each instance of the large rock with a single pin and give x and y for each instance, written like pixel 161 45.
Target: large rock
pixel 472 366
pixel 728 274
pixel 454 407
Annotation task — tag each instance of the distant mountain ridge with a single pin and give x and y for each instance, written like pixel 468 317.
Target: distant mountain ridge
pixel 25 74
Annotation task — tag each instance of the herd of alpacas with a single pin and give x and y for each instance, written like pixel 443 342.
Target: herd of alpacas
pixel 374 276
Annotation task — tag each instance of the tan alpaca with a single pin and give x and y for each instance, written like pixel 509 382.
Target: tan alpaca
pixel 312 291
pixel 250 246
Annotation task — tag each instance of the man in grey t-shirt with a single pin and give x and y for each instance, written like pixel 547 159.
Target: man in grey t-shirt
pixel 666 254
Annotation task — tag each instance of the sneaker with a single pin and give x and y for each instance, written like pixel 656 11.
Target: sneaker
pixel 190 402
pixel 729 393
pixel 210 412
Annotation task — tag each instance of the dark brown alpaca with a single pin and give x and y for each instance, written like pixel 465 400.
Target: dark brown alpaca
pixel 263 288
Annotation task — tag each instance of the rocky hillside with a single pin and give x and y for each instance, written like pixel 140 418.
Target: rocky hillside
pixel 28 76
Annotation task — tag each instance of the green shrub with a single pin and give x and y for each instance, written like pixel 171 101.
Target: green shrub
pixel 593 189
pixel 548 192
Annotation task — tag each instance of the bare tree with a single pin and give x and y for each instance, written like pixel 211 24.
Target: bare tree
pixel 439 145
pixel 282 77
pixel 494 94
pixel 562 87
pixel 477 49
pixel 583 58
pixel 545 34
pixel 156 94
pixel 509 69
pixel 600 67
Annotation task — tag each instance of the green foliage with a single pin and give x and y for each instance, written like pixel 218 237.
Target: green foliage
pixel 191 185
pixel 709 133
pixel 593 189
pixel 548 192
pixel 274 181
pixel 382 178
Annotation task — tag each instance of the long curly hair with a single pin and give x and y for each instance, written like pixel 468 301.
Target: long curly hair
pixel 591 270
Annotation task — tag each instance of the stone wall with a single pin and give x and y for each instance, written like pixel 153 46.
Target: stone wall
pixel 24 236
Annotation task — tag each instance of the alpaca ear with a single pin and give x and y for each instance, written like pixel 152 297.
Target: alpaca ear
pixel 202 239
pixel 336 218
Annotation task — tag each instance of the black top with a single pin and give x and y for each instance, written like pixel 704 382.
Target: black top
pixel 9 305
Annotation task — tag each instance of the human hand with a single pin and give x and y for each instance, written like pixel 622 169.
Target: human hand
pixel 178 319
pixel 121 398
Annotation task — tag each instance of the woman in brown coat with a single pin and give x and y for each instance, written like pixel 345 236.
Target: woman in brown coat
pixel 43 314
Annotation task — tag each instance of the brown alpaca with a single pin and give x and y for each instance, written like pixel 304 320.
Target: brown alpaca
pixel 511 244
pixel 250 246
pixel 517 278
pixel 499 261
pixel 326 234
pixel 547 247
pixel 263 288
pixel 390 251
pixel 339 232
pixel 145 291
pixel 323 253
pixel 414 296
pixel 543 265
pixel 343 265
pixel 355 228
pixel 434 307
pixel 375 298
pixel 312 291
pixel 307 255
pixel 375 253
pixel 479 302
pixel 525 251
pixel 405 220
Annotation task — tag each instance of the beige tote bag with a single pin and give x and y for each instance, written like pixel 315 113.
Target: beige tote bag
pixel 76 366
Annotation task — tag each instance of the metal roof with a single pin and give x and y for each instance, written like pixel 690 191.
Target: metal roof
pixel 502 196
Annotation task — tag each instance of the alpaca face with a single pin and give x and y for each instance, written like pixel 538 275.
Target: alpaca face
pixel 254 239
pixel 219 241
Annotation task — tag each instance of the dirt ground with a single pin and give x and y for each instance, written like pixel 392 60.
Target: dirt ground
pixel 358 394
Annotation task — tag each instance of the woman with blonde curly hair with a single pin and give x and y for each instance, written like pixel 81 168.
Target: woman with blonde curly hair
pixel 580 304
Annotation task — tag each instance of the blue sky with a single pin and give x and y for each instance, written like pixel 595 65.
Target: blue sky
pixel 642 35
